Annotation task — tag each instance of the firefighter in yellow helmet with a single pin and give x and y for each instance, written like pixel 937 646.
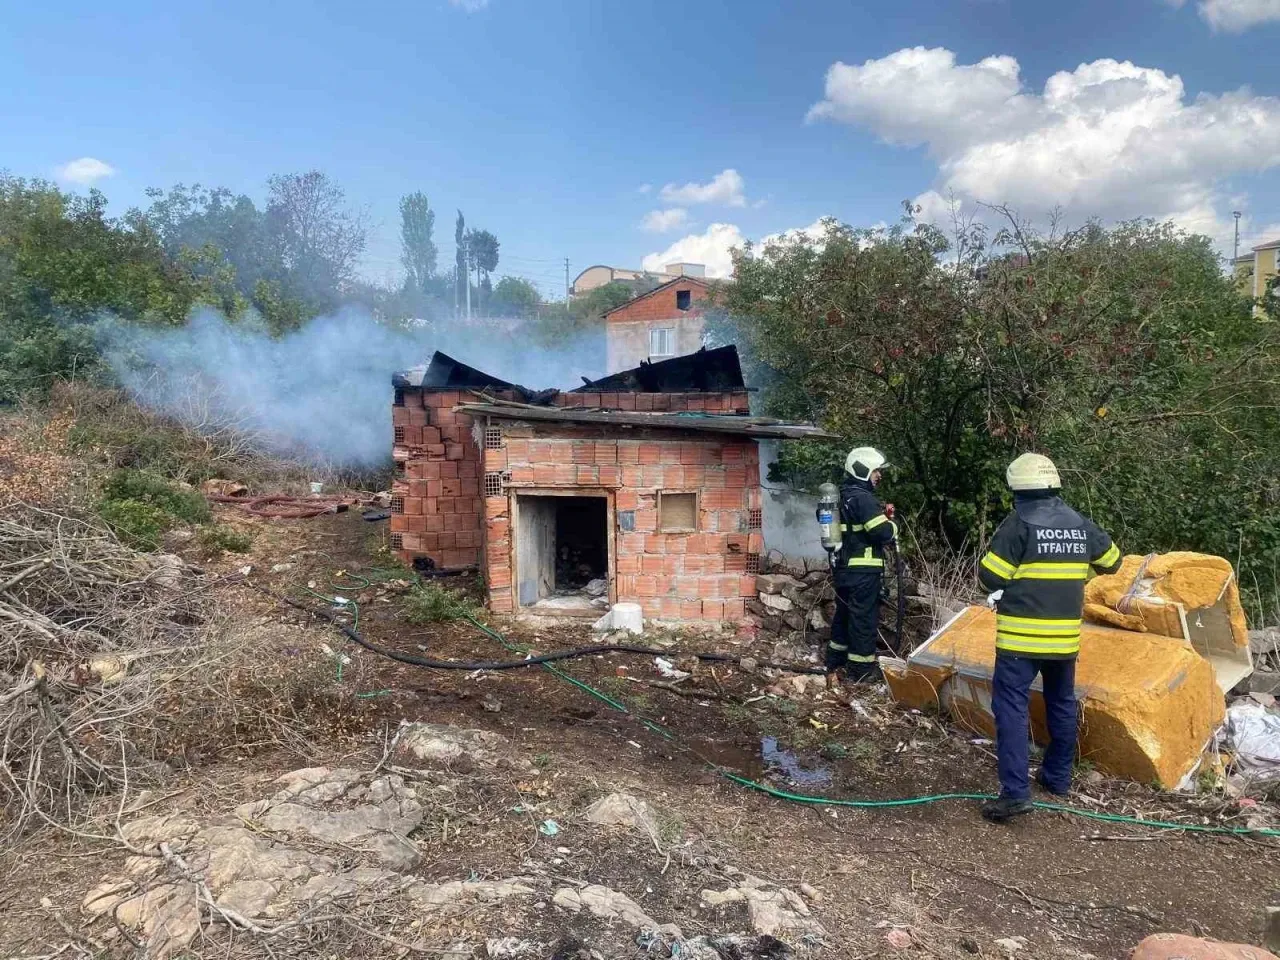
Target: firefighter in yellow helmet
pixel 1036 568
pixel 865 527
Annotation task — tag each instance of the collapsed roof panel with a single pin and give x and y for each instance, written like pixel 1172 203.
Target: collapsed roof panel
pixel 708 371
pixel 446 373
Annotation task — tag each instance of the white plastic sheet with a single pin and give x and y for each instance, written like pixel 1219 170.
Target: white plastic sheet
pixel 1252 733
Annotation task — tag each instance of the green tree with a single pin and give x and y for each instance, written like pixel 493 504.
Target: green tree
pixel 317 239
pixel 64 264
pixel 417 226
pixel 1124 353
pixel 514 297
pixel 584 315
pixel 461 270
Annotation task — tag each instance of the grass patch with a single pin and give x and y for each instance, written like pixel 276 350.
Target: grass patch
pixel 218 539
pixel 140 507
pixel 432 603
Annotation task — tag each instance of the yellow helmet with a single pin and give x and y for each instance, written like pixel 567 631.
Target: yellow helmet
pixel 1033 471
pixel 863 461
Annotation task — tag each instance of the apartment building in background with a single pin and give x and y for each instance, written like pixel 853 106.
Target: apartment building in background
pixel 599 275
pixel 1257 268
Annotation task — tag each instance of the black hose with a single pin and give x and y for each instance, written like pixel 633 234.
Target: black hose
pixel 531 661
pixel 899 641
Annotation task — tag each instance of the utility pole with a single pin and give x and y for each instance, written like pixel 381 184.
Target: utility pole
pixel 1235 250
pixel 566 279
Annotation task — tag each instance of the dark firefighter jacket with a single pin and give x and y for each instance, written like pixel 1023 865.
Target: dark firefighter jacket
pixel 864 529
pixel 1040 557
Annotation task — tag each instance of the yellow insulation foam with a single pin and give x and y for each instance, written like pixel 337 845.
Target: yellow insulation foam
pixel 1149 702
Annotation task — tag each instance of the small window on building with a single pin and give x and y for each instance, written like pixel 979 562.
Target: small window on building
pixel 677 512
pixel 399 434
pixel 492 438
pixel 397 541
pixel 683 298
pixel 493 484
pixel 399 399
pixel 397 504
pixel 662 342
pixel 755 563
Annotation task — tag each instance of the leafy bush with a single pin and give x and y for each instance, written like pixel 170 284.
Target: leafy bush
pixel 141 507
pixel 432 603
pixel 140 525
pixel 216 539
pixel 174 501
pixel 1125 353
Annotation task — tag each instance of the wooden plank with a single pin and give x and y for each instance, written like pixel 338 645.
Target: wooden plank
pixel 704 424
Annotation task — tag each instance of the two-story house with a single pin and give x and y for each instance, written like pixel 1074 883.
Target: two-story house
pixel 666 322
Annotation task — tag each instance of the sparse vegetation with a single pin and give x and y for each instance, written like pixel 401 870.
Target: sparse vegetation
pixel 431 602
pixel 217 539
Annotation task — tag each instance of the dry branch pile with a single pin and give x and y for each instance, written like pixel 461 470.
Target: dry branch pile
pixel 93 637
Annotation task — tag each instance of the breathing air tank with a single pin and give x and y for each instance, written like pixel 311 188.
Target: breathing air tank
pixel 828 516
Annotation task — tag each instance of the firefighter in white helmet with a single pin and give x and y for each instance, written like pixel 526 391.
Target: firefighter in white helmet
pixel 1036 568
pixel 865 527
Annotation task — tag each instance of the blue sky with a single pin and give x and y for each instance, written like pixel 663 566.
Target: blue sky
pixel 543 122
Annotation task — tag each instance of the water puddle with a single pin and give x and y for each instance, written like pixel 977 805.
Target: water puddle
pixel 780 760
pixel 766 761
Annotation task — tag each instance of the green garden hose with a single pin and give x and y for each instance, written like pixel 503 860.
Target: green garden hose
pixel 874 804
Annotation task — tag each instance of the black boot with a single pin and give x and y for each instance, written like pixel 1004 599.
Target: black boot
pixel 1004 809
pixel 1050 789
pixel 864 672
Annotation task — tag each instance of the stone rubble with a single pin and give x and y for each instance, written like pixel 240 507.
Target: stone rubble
pixel 772 911
pixel 277 856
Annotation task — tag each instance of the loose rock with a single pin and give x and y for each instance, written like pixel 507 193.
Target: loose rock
pixel 1175 946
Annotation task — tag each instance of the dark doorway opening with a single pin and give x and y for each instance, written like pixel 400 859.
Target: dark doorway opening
pixel 563 554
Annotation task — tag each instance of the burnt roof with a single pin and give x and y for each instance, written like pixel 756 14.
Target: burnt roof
pixel 446 373
pixel 709 371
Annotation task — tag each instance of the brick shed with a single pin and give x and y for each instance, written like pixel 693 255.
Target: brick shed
pixel 646 483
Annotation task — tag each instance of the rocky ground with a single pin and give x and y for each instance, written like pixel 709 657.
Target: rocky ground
pixel 396 811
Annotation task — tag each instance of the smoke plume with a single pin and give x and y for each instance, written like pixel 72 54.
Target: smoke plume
pixel 322 392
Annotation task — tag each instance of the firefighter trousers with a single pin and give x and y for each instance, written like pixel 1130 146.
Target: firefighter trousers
pixel 856 624
pixel 1010 697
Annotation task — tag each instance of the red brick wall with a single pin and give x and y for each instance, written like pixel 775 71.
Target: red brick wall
pixel 440 483
pixel 661 305
pixel 695 576
pixel 735 402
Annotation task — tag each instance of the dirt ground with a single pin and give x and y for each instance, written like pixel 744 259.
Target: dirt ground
pixel 1072 887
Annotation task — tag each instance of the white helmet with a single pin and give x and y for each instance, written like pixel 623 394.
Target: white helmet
pixel 1033 471
pixel 863 461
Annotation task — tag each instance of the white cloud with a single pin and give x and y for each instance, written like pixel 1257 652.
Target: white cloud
pixel 726 187
pixel 712 247
pixel 645 187
pixel 470 6
pixel 664 221
pixel 1236 16
pixel 86 171
pixel 814 231
pixel 1107 139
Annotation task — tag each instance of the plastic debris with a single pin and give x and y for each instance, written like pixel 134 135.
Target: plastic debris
pixel 548 828
pixel 1252 734
pixel 668 669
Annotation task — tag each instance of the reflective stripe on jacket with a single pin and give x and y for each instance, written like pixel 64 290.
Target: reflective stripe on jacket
pixel 864 528
pixel 1040 558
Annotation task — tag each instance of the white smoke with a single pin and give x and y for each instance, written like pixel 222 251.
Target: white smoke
pixel 324 391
